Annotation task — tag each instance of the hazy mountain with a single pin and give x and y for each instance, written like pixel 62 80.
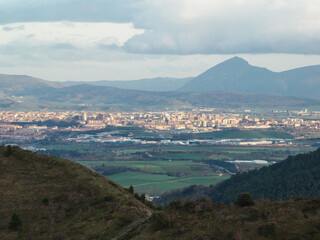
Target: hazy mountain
pixel 24 92
pixel 60 199
pixel 99 96
pixel 15 83
pixel 151 84
pixel 237 75
pixel 295 176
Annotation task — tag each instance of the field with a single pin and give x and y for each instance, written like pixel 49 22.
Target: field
pixel 156 168
pixel 157 184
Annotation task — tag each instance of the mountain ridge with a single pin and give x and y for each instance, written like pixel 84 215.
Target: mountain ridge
pixel 237 75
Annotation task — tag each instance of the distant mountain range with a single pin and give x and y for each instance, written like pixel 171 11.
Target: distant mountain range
pixel 233 83
pixel 237 75
pixel 151 84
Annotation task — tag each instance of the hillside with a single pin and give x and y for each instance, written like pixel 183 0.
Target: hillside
pixel 103 98
pixel 296 176
pixel 150 84
pixel 203 219
pixel 51 198
pixel 59 199
pixel 237 75
pixel 16 83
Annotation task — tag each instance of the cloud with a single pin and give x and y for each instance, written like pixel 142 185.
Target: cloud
pixel 233 26
pixel 78 34
pixel 189 26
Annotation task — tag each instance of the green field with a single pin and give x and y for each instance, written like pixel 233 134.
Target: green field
pixel 182 167
pixel 154 184
pixel 154 169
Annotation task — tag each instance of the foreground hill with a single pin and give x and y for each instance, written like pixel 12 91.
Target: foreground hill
pixel 296 176
pixel 151 84
pixel 50 198
pixel 59 199
pixel 203 219
pixel 237 75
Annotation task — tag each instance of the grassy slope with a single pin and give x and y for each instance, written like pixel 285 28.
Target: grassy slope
pixel 204 220
pixel 81 204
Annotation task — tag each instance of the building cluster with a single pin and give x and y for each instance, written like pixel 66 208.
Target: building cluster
pixel 25 125
pixel 195 120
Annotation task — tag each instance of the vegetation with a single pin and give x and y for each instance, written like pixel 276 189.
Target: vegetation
pixel 244 200
pixel 204 219
pixel 296 176
pixel 50 198
pixel 58 199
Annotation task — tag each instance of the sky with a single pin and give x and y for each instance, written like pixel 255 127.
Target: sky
pixel 81 40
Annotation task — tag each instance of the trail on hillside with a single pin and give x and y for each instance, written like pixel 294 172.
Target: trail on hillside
pixel 133 226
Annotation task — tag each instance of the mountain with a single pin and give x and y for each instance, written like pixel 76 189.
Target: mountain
pixel 16 83
pixel 60 199
pixel 27 94
pixel 151 84
pixel 296 176
pixel 105 97
pixel 237 75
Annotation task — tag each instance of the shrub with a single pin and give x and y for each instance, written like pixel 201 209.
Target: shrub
pixel 8 151
pixel 159 221
pixel 15 222
pixel 299 198
pixel 244 199
pixel 45 201
pixel 131 189
pixel 267 229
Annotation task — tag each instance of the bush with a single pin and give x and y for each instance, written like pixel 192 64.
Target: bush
pixel 244 199
pixel 131 189
pixel 9 151
pixel 267 229
pixel 159 221
pixel 15 222
pixel 299 198
pixel 45 201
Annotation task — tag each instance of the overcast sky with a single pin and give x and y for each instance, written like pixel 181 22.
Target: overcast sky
pixel 131 39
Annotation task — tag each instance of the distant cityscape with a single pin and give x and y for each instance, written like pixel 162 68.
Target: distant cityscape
pixel 37 125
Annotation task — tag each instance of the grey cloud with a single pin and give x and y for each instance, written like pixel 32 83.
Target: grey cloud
pixel 264 27
pixel 225 27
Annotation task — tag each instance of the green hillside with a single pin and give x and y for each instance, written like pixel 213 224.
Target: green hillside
pixel 296 176
pixel 60 199
pixel 50 198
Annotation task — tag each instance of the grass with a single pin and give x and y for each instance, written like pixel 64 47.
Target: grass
pixel 75 198
pixel 156 166
pixel 156 184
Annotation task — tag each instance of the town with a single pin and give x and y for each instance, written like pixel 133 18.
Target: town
pixel 37 125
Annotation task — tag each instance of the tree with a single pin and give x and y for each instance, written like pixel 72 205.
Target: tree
pixel 8 151
pixel 131 189
pixel 15 222
pixel 244 199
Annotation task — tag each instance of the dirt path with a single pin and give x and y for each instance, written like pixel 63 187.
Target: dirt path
pixel 133 226
pixel 150 183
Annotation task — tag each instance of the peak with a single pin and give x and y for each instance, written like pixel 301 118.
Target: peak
pixel 233 63
pixel 236 60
